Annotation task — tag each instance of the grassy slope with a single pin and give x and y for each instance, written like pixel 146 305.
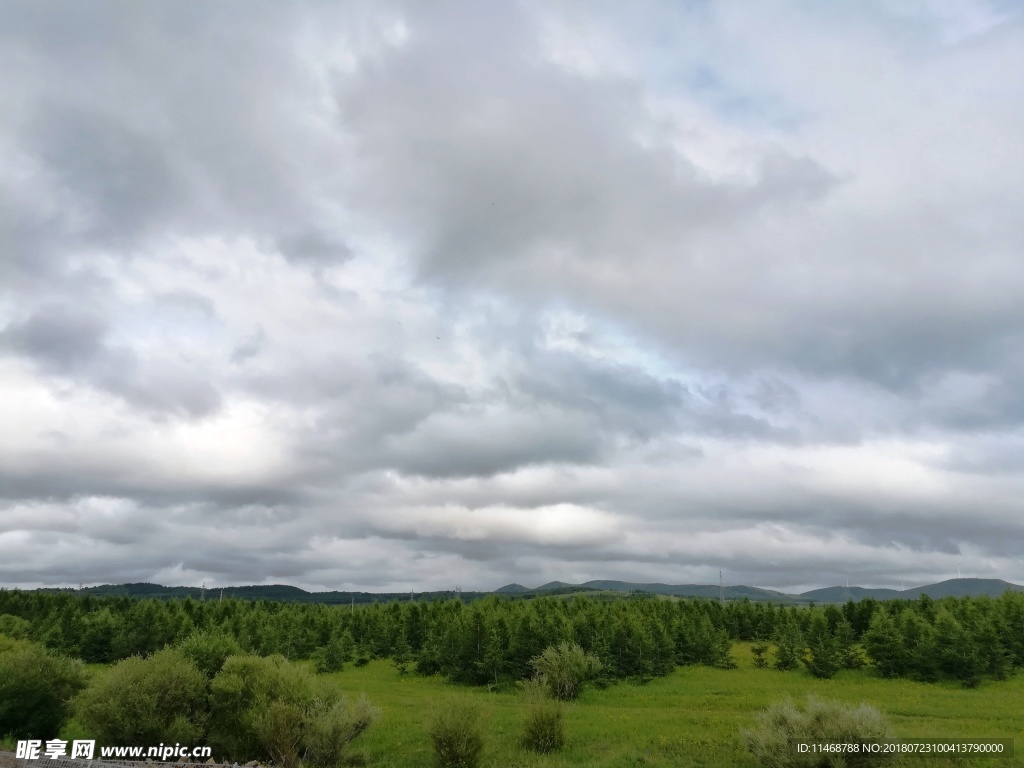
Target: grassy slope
pixel 691 718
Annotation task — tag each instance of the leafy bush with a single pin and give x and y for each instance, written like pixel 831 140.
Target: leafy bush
pixel 544 727
pixel 241 696
pixel 329 729
pixel 36 687
pixel 270 709
pixel 209 650
pixel 565 669
pixel 14 626
pixel 146 701
pixel 782 726
pixel 456 735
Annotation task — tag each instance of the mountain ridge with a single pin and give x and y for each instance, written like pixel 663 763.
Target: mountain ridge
pixel 960 587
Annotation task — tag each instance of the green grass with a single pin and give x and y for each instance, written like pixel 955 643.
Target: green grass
pixel 691 718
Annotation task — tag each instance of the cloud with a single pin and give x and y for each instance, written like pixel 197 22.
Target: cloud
pixel 510 292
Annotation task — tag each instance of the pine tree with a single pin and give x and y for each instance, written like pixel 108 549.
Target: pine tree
pixel 919 641
pixel 885 645
pixel 760 651
pixel 959 655
pixel 823 657
pixel 789 645
pixel 849 653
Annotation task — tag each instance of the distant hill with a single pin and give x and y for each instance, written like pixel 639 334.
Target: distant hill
pixel 553 585
pixel 277 592
pixel 510 589
pixel 696 590
pixel 950 588
pixel 607 590
pixel 963 588
pixel 845 594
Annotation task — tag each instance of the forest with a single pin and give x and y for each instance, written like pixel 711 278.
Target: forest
pixel 256 679
pixel 492 640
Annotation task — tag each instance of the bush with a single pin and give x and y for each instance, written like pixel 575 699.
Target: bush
pixel 253 699
pixel 139 702
pixel 270 709
pixel 329 729
pixel 565 669
pixel 782 726
pixel 36 688
pixel 456 735
pixel 544 727
pixel 14 626
pixel 209 650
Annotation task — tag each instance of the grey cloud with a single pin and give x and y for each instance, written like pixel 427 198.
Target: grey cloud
pixel 62 339
pixel 505 166
pixel 315 247
pixel 72 342
pixel 321 244
pixel 121 181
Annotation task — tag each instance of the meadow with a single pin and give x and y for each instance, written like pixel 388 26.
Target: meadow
pixel 691 717
pixel 676 680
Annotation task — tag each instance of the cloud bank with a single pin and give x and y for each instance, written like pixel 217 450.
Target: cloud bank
pixel 390 296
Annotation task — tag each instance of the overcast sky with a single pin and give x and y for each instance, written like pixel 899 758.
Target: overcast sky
pixel 390 296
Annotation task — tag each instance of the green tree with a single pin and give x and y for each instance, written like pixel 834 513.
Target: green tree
pixel 333 656
pixel 885 645
pixel 846 644
pixel 146 701
pixel 959 655
pixel 208 650
pixel 36 687
pixel 919 644
pixel 823 658
pixel 760 650
pixel 789 645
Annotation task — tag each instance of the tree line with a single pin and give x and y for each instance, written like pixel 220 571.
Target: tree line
pixel 493 640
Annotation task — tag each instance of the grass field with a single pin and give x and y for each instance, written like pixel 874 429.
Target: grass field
pixel 691 718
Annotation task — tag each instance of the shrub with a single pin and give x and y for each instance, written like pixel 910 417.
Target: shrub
pixel 782 726
pixel 14 626
pixel 456 735
pixel 36 687
pixel 277 724
pixel 209 650
pixel 146 701
pixel 329 729
pixel 245 687
pixel 268 708
pixel 565 669
pixel 544 727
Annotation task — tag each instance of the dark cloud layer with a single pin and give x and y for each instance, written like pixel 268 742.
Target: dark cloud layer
pixel 399 295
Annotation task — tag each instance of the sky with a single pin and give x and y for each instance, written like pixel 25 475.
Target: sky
pixel 399 295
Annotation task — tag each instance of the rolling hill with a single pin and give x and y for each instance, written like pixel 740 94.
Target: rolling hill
pixel 290 594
